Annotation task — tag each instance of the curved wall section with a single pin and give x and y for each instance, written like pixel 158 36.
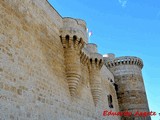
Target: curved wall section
pixel 74 27
pixel 128 77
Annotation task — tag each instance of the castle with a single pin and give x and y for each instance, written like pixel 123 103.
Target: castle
pixel 49 71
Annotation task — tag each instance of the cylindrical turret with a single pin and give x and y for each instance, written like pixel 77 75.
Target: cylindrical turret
pixel 74 27
pixel 131 91
pixel 92 48
pixel 95 64
pixel 73 37
pixel 109 56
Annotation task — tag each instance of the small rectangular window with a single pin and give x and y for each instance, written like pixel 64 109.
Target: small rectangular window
pixel 110 101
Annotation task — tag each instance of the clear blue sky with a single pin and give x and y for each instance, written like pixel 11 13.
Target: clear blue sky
pixel 125 28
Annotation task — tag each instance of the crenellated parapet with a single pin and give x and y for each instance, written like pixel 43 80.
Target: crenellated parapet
pixel 74 27
pixel 126 60
pixel 96 61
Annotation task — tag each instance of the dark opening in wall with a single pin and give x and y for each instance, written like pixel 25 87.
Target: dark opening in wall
pixel 115 86
pixel 110 101
pixel 67 37
pixel 74 38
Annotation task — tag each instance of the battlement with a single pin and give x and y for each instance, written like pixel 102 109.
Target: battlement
pixel 85 54
pixel 125 60
pixel 74 27
pixel 89 52
pixel 92 47
pixel 48 65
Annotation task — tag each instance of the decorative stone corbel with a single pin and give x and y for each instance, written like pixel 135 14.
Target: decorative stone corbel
pixel 72 47
pixel 95 64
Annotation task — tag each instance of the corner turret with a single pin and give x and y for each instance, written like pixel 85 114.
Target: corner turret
pixel 128 76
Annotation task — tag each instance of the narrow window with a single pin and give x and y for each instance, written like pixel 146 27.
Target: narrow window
pixel 110 101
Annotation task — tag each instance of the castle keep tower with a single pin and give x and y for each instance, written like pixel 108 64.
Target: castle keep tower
pixel 128 76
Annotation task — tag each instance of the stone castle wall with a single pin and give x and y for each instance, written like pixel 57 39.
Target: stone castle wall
pixel 34 64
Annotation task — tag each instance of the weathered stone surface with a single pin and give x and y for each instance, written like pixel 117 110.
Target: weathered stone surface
pixel 48 71
pixel 128 77
pixel 95 78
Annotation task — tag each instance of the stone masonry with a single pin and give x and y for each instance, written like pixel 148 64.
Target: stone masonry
pixel 49 71
pixel 128 76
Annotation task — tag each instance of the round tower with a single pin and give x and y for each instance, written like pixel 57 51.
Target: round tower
pixel 128 76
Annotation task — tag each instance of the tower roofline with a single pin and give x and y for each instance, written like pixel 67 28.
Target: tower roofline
pixel 76 19
pixel 124 60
